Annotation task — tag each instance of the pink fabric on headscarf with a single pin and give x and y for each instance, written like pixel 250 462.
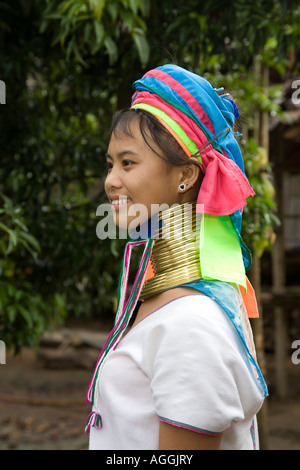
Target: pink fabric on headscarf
pixel 224 189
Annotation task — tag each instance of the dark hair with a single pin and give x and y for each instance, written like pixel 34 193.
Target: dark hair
pixel 152 130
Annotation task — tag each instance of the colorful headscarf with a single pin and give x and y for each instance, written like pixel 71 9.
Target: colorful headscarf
pixel 198 118
pixel 190 107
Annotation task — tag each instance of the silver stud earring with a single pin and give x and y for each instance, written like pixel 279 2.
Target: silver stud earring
pixel 182 186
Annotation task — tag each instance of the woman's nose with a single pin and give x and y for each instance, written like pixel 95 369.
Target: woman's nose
pixel 113 179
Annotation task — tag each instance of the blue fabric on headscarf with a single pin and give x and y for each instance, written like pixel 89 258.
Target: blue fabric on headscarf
pixel 220 111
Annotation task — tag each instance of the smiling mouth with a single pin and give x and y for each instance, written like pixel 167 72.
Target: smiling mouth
pixel 121 202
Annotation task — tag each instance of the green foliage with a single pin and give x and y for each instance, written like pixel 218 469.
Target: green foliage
pixel 67 65
pixel 24 314
pixel 85 27
pixel 206 33
pixel 15 231
pixel 259 216
pixel 54 132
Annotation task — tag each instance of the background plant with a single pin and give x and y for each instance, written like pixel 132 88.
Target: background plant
pixel 68 65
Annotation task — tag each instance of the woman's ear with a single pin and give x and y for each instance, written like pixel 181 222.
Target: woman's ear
pixel 190 176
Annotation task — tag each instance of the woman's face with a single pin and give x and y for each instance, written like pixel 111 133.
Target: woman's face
pixel 138 180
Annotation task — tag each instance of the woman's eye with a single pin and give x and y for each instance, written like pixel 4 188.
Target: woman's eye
pixel 127 162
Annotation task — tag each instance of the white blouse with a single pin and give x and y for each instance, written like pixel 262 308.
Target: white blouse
pixel 182 364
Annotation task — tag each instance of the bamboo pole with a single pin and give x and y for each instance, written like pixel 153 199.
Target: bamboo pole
pixel 261 136
pixel 278 275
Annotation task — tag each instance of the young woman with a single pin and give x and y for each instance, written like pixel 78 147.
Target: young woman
pixel 185 374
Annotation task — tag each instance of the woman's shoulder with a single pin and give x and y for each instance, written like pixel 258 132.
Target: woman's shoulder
pixel 162 299
pixel 182 304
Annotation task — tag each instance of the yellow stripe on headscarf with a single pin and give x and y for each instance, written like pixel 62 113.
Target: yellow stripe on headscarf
pixel 175 130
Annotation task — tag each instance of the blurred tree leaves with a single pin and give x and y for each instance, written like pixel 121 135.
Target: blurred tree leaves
pixel 67 66
pixel 85 27
pixel 259 216
pixel 54 132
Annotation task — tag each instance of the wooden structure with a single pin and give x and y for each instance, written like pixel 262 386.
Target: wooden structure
pixel 282 297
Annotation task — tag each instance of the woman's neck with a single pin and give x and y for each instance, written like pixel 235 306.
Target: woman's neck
pixel 175 254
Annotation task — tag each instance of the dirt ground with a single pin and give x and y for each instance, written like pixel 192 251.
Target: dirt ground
pixel 42 403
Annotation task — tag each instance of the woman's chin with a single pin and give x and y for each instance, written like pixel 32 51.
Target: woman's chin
pixel 131 219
